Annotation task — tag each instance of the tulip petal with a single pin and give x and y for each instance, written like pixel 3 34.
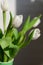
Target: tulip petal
pixel 37 23
pixel 36 34
pixel 17 21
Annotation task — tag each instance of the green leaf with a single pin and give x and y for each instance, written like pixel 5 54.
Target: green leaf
pixel 14 53
pixel 26 25
pixel 11 51
pixel 1 54
pixel 21 39
pixel 21 34
pixel 15 50
pixel 7 53
pixel 10 22
pixel 15 33
pixel 1 34
pixel 27 41
pixel 5 58
pixel 13 46
pixel 4 43
pixel 30 25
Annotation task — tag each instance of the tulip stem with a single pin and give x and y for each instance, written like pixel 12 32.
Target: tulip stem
pixel 4 20
pixel 5 58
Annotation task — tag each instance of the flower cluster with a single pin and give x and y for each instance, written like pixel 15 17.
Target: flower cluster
pixel 14 40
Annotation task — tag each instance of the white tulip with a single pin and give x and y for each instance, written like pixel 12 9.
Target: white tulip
pixel 17 21
pixel 36 34
pixel 37 22
pixel 4 5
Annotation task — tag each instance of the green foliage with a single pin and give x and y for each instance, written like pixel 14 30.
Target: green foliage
pixel 27 41
pixel 10 22
pixel 1 34
pixel 13 33
pixel 26 26
pixel 4 43
pixel 1 54
pixel 11 51
pixel 12 40
pixel 5 58
pixel 29 24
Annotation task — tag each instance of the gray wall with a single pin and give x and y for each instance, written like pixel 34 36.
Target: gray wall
pixel 33 53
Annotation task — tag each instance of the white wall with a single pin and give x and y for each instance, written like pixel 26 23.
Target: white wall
pixel 12 8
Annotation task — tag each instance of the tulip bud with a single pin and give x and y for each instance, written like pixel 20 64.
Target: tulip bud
pixel 4 5
pixel 17 21
pixel 36 34
pixel 37 22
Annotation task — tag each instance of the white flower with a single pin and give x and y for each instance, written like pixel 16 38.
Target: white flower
pixel 4 5
pixel 37 22
pixel 36 34
pixel 17 21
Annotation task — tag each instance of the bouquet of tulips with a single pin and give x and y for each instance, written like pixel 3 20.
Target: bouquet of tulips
pixel 12 40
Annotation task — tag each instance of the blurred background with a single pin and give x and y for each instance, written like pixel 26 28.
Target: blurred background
pixel 33 53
